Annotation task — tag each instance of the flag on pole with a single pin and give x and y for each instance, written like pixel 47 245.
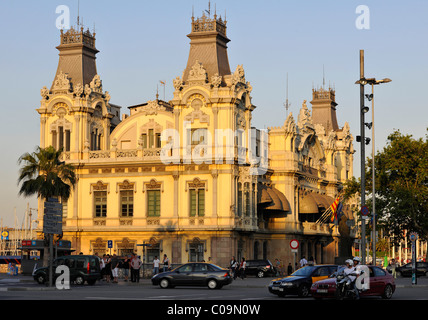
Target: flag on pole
pixel 333 208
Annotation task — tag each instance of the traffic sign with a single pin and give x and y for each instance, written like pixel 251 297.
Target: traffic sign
pixel 364 210
pixel 110 244
pixel 294 244
pixel 413 236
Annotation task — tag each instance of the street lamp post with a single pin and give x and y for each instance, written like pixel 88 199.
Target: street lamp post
pixel 374 82
pixel 362 82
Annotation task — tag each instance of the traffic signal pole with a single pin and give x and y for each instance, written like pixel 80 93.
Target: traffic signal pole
pixel 363 156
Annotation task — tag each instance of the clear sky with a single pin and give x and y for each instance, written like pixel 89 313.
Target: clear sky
pixel 143 42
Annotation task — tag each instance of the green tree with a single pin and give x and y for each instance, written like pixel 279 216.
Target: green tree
pixel 45 175
pixel 401 176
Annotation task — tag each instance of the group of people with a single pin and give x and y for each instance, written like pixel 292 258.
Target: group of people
pixel 238 268
pixel 131 264
pixel 110 267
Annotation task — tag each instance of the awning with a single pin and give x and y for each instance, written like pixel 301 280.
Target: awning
pixel 307 203
pixel 272 199
pixel 322 201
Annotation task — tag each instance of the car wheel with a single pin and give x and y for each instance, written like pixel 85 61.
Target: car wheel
pixel 79 280
pixel 387 293
pixel 41 279
pixel 303 291
pixel 164 283
pixel 260 274
pixel 212 284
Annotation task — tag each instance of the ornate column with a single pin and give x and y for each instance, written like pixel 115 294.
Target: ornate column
pixel 42 132
pixel 76 132
pixel 175 175
pixel 214 174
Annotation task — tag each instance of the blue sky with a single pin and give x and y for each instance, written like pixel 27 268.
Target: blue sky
pixel 143 42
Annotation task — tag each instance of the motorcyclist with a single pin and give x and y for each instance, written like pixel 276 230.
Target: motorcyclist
pixel 357 271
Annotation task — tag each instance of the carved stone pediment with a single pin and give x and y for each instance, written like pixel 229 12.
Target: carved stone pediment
pixel 152 108
pixel 198 73
pixel 62 83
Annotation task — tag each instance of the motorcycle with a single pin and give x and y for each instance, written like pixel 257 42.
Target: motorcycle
pixel 345 287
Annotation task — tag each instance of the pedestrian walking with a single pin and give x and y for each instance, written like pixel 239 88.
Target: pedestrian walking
pixel 289 269
pixel 232 266
pixel 108 268
pixel 126 266
pixel 135 268
pixel 393 268
pixel 242 268
pixel 303 262
pixel 156 263
pixel 102 267
pixel 165 262
pixel 115 268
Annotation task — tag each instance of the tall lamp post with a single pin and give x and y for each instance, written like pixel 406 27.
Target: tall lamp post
pixel 362 82
pixel 370 97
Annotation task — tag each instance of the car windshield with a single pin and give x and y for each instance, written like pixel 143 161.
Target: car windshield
pixel 305 271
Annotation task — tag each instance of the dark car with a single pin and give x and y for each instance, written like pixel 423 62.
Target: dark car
pixel 82 268
pixel 194 274
pixel 300 281
pixel 381 284
pixel 259 268
pixel 406 270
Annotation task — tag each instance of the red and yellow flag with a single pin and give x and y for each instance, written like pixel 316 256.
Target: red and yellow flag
pixel 333 208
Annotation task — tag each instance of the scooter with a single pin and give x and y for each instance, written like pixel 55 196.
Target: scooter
pixel 345 287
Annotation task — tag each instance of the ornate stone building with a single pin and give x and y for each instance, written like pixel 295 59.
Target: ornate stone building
pixel 191 176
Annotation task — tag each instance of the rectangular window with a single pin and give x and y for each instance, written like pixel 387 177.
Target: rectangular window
pixel 67 140
pixel 197 202
pixel 239 199
pixel 100 201
pixel 61 138
pixel 153 203
pixel 158 140
pixel 144 140
pixel 196 252
pixel 151 138
pixel 197 136
pixel 127 203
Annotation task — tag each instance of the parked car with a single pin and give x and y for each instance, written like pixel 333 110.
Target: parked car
pixel 406 270
pixel 260 268
pixel 300 281
pixel 82 269
pixel 194 274
pixel 381 284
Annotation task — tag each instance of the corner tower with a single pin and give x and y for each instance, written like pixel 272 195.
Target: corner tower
pixel 208 46
pixel 77 56
pixel 324 108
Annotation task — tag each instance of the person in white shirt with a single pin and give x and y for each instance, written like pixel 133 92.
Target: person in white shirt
pixel 156 263
pixel 303 262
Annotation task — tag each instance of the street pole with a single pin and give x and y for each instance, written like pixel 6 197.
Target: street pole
pixel 50 260
pixel 363 171
pixel 373 180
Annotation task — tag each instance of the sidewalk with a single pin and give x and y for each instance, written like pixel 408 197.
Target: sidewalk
pixel 21 282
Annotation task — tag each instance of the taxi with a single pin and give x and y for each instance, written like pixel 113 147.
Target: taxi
pixel 300 282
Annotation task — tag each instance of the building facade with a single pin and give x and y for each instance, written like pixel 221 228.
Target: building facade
pixel 192 177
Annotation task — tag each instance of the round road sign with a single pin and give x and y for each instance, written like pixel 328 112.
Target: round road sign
pixel 294 244
pixel 364 210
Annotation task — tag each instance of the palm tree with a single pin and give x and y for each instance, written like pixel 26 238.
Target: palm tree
pixel 45 175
